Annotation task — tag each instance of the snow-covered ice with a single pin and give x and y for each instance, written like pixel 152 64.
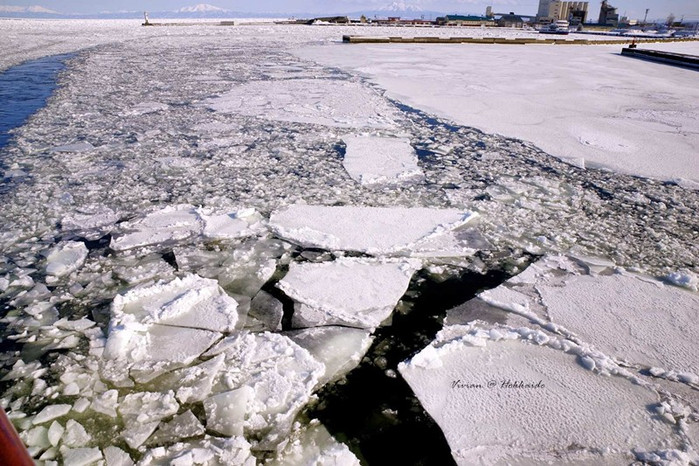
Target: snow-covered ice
pixel 351 292
pixel 371 160
pixel 324 102
pixel 372 230
pixel 66 258
pixel 510 400
pixel 154 220
pixel 606 115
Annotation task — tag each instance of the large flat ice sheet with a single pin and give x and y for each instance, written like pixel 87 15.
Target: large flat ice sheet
pixel 325 102
pixel 373 230
pixel 504 401
pixel 352 292
pixel 575 102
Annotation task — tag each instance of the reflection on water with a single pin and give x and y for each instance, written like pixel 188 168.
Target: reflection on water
pixel 24 89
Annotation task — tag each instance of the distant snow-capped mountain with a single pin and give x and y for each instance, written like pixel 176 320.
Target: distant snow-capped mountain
pixel 201 8
pixel 400 6
pixel 36 9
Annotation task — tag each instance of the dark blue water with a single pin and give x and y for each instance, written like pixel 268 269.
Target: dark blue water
pixel 24 89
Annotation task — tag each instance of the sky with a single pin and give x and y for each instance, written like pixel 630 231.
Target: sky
pixel 634 9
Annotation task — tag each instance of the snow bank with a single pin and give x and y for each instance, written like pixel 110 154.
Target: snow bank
pixel 372 159
pixel 372 230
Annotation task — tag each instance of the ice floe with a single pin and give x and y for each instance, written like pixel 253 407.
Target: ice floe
pixel 313 444
pixel 372 230
pixel 177 223
pixel 351 292
pixel 340 349
pixel 169 322
pixel 377 160
pixel 321 101
pixel 66 258
pixel 500 397
pixel 270 377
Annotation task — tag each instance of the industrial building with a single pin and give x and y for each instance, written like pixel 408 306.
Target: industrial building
pixel 608 15
pixel 551 11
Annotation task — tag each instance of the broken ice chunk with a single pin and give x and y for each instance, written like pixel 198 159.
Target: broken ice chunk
pixel 75 435
pixel 232 225
pixel 132 343
pixel 136 434
pixel 182 426
pixel 170 322
pixel 36 437
pixel 210 451
pixel 172 223
pixel 51 412
pixel 106 403
pixel 192 384
pixel 354 292
pixel 373 230
pixel 268 310
pixel 115 456
pixel 340 349
pixel 55 433
pixel 80 456
pixel 66 258
pixel 226 412
pixel 372 159
pixel 317 101
pixel 313 444
pixel 147 407
pixel 191 301
pixel 539 399
pixel 281 374
pixel 92 221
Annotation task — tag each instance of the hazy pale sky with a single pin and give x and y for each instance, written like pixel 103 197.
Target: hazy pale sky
pixel 630 8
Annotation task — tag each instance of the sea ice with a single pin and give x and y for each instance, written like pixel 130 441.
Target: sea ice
pixel 281 376
pixel 353 292
pixel 313 444
pixel 192 384
pixel 190 301
pixel 169 224
pixel 499 399
pixel 659 320
pixel 372 159
pixel 373 230
pixel 210 451
pixel 316 101
pixel 66 258
pixel 340 349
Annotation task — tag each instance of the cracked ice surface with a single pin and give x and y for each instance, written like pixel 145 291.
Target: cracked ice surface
pixel 568 412
pixel 591 363
pixel 324 102
pixel 129 163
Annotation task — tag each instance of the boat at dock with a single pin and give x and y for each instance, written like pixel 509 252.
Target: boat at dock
pixel 559 27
